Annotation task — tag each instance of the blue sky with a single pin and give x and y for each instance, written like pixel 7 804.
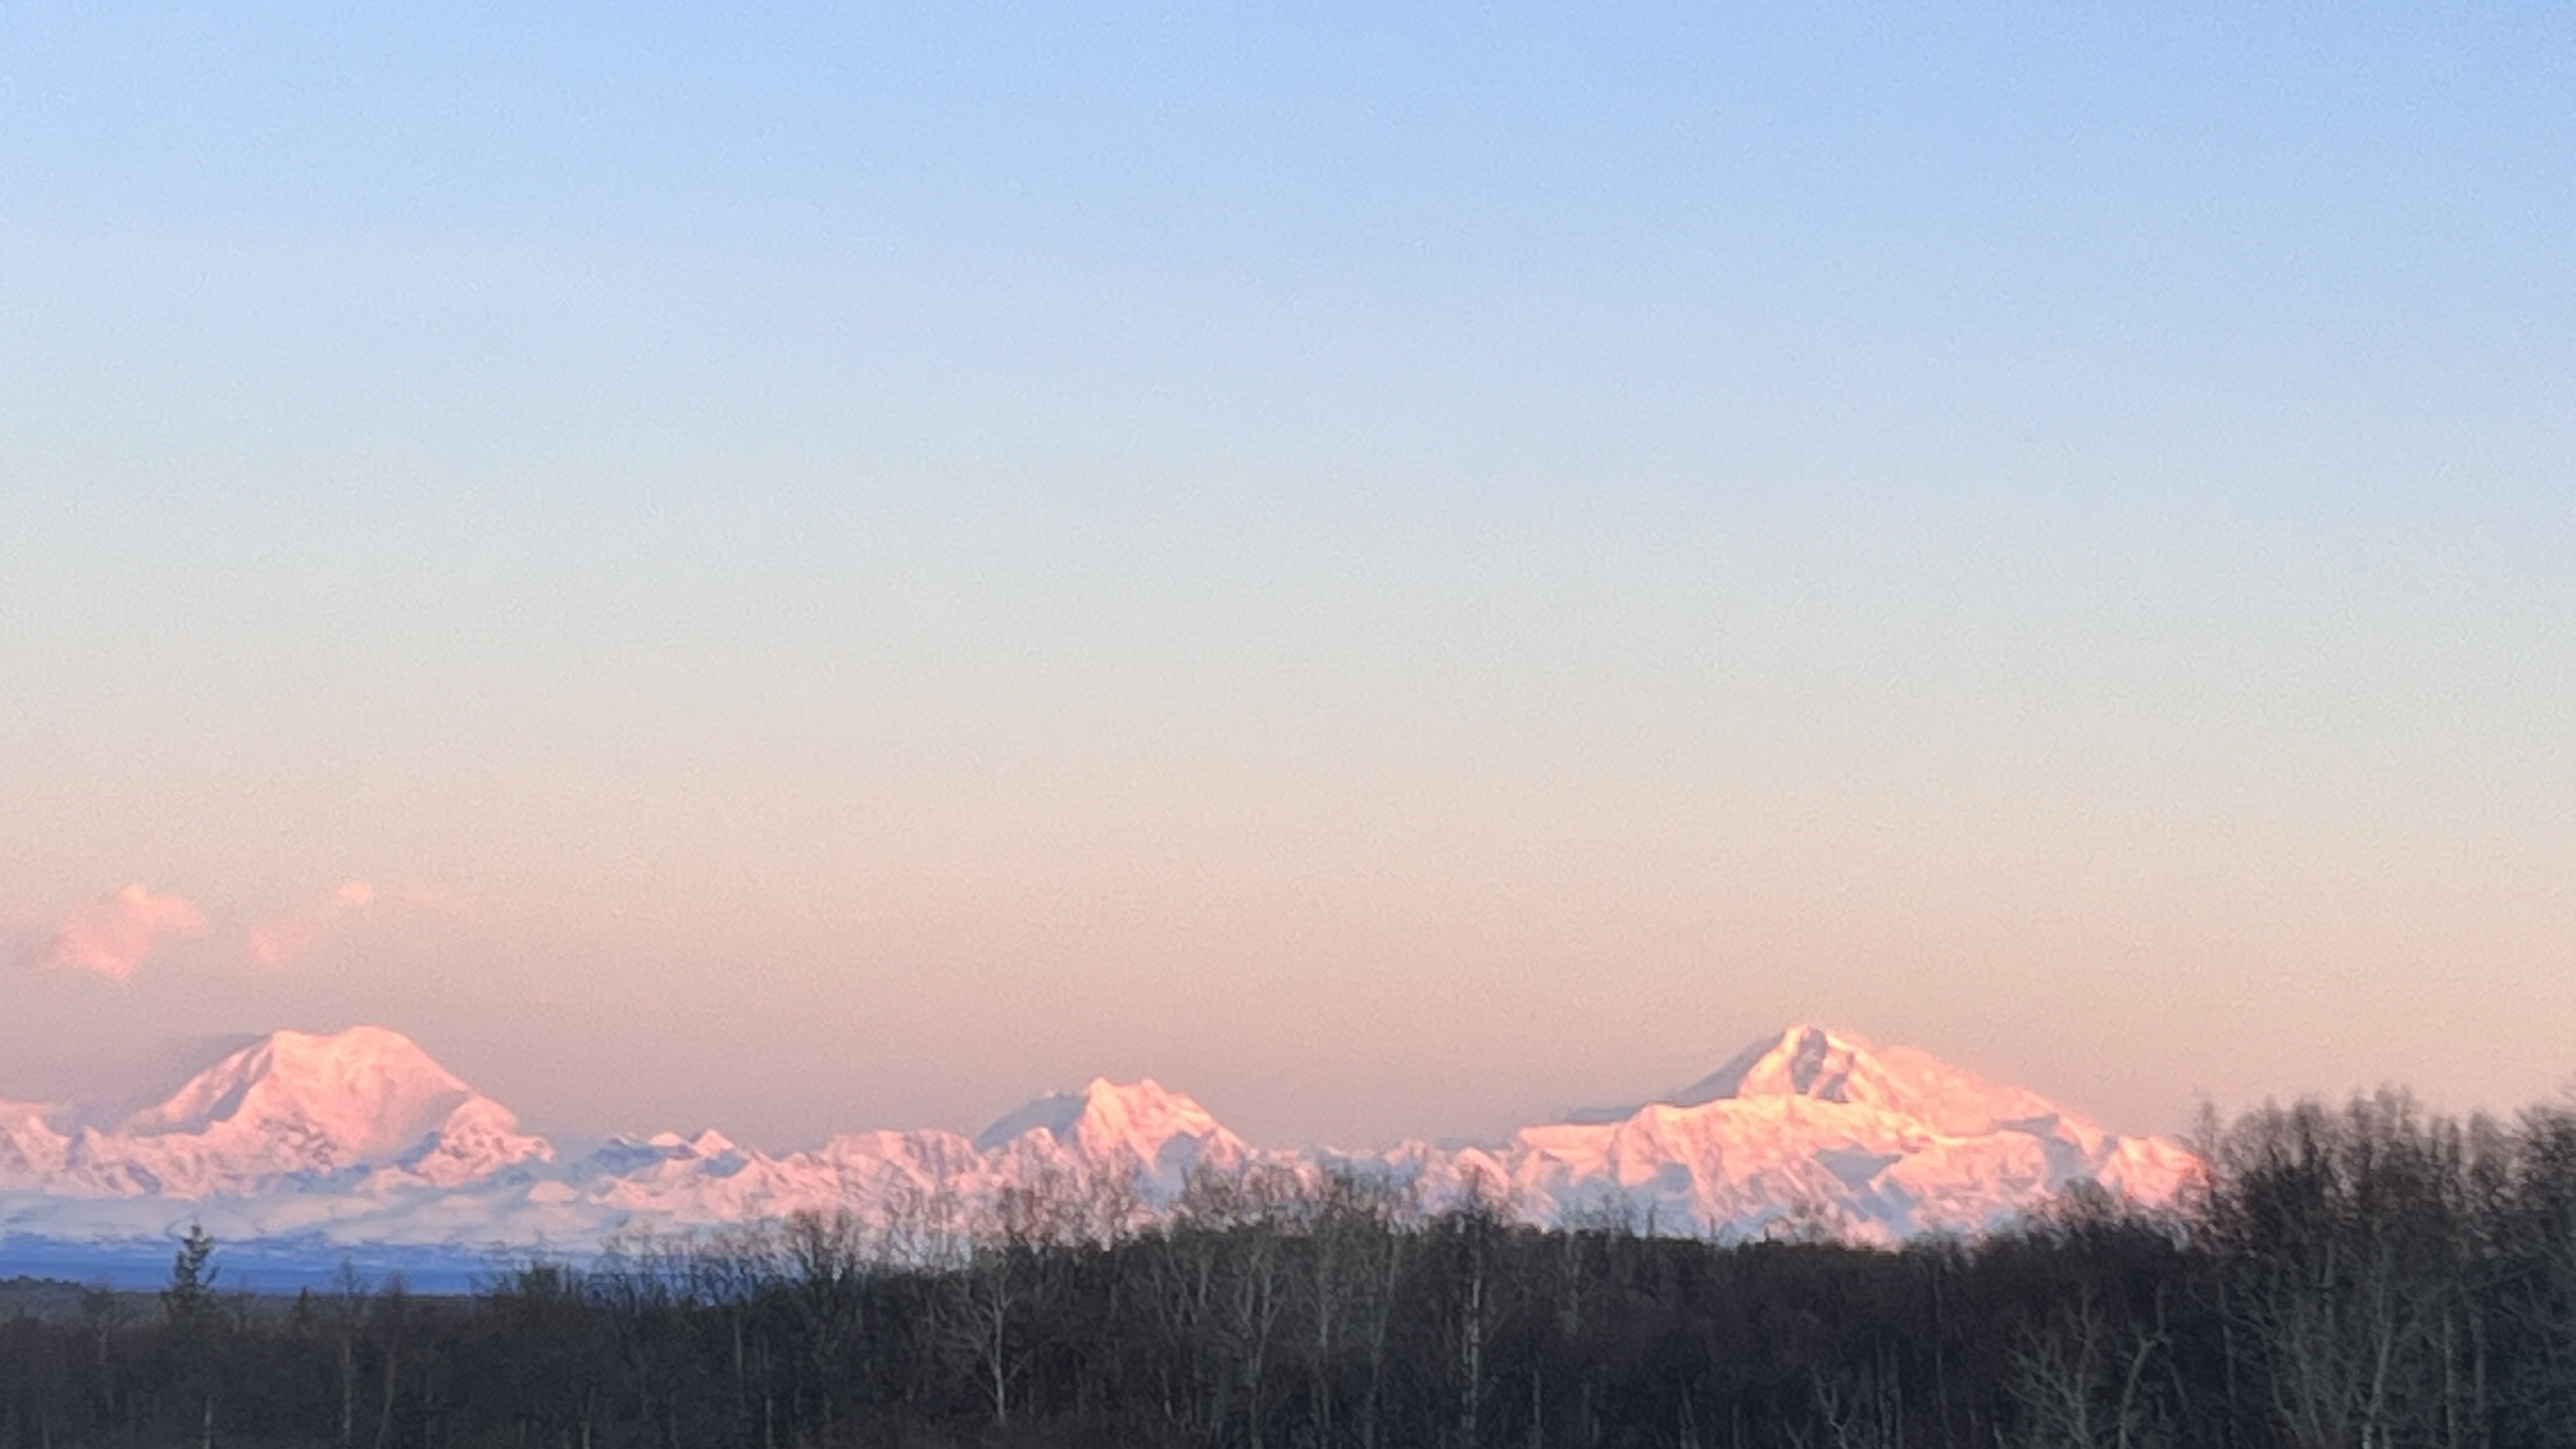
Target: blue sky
pixel 1396 569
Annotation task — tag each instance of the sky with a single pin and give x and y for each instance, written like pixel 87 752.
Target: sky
pixel 1398 569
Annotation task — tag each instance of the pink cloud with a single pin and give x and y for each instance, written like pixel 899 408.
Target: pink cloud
pixel 281 940
pixel 113 934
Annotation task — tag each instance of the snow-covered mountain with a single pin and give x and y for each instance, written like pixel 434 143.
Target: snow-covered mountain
pixel 365 1108
pixel 1812 1125
pixel 360 1138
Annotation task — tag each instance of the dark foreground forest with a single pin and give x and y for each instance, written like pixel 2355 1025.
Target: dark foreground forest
pixel 2347 1279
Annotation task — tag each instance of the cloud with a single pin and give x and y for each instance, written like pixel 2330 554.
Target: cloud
pixel 279 941
pixel 113 934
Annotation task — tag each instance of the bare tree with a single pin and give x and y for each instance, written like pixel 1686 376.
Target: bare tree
pixel 1860 1405
pixel 1349 1220
pixel 2080 1379
pixel 104 1318
pixel 2351 1240
pixel 344 1317
pixel 826 1262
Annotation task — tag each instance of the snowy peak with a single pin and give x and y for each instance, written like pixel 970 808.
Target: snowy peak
pixel 1804 1061
pixel 1881 1144
pixel 1103 1114
pixel 30 1147
pixel 367 1091
pixel 477 1140
pixel 303 1104
pixel 1825 1066
pixel 1136 1128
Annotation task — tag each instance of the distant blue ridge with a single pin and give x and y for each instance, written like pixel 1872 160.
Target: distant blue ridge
pixel 268 1266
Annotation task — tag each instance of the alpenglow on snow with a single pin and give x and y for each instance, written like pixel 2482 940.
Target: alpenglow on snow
pixel 357 1140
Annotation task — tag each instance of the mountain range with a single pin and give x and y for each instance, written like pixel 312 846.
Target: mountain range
pixel 358 1141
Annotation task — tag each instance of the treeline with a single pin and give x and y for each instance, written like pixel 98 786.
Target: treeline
pixel 2364 1277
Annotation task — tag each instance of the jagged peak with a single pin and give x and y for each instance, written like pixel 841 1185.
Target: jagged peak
pixel 708 1143
pixel 1820 1064
pixel 1103 1111
pixel 1805 1060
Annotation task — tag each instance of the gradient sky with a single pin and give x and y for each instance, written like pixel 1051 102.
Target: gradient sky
pixel 1395 571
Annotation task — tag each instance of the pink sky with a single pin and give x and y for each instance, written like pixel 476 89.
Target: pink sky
pixel 1398 570
pixel 1568 833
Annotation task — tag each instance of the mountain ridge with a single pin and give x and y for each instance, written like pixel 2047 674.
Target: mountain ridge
pixel 364 1137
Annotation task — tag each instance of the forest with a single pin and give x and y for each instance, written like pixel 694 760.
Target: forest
pixel 2367 1275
